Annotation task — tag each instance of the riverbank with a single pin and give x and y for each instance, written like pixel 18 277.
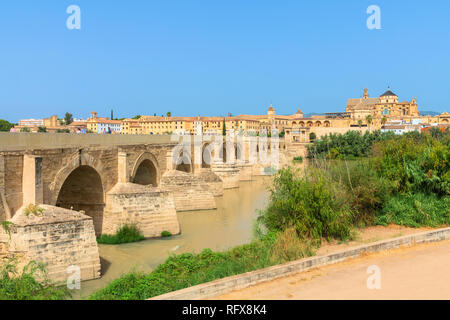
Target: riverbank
pixel 230 225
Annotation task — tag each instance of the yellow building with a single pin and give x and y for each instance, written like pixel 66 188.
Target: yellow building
pixel 386 106
pixel 97 124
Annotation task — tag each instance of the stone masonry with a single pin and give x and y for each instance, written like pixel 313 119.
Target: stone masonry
pixel 151 209
pixel 57 237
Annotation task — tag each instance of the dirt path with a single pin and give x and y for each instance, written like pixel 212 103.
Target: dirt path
pixel 417 272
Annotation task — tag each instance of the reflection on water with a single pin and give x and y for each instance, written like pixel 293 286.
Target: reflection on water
pixel 230 225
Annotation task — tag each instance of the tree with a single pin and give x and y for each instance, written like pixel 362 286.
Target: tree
pixel 112 114
pixel 5 125
pixel 224 128
pixel 369 120
pixel 312 136
pixel 360 123
pixel 42 129
pixel 68 118
pixel 137 117
pixel 383 121
pixel 24 129
pixel 169 114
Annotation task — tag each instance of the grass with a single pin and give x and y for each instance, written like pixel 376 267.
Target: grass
pixel 33 209
pixel 188 269
pixel 125 234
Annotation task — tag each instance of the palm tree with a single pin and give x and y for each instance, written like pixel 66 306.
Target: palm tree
pixel 360 123
pixel 383 121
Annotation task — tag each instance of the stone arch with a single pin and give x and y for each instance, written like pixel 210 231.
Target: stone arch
pixel 76 161
pixel 327 124
pixel 444 121
pixel 318 124
pixel 309 124
pixel 239 152
pixel 83 190
pixel 146 170
pixel 223 153
pixel 207 155
pixel 182 160
pixel 301 124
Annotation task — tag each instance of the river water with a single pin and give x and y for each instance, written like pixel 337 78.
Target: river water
pixel 228 226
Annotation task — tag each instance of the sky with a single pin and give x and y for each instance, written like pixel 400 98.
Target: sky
pixel 215 57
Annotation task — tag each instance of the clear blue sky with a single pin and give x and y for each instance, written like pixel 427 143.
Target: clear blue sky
pixel 214 57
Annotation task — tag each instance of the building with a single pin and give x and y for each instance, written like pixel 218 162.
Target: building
pixel 96 124
pixel 385 106
pixel 244 124
pixel 31 122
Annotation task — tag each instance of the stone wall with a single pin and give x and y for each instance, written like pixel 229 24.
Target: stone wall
pixel 245 172
pixel 57 237
pixel 22 141
pixel 150 208
pixel 228 173
pixel 2 189
pixel 189 191
pixel 13 168
pixel 213 183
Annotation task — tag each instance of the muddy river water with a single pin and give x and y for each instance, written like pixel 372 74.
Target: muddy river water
pixel 230 225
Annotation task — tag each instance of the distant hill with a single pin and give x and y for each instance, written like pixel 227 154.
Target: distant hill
pixel 429 113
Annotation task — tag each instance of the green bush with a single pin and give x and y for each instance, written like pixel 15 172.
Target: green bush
pixel 125 234
pixel 166 234
pixel 416 210
pixel 23 285
pixel 415 164
pixel 5 125
pixel 298 159
pixel 351 144
pixel 365 190
pixel 188 269
pixel 314 206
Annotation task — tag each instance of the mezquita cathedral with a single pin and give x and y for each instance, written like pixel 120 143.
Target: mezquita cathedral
pixel 385 112
pixel 387 105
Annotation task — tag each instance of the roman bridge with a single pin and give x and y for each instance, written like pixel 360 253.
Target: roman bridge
pixel 59 191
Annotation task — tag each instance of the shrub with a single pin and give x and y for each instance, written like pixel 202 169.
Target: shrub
pixel 298 159
pixel 15 285
pixel 166 234
pixel 125 234
pixel 350 144
pixel 415 164
pixel 416 210
pixel 314 206
pixel 365 190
